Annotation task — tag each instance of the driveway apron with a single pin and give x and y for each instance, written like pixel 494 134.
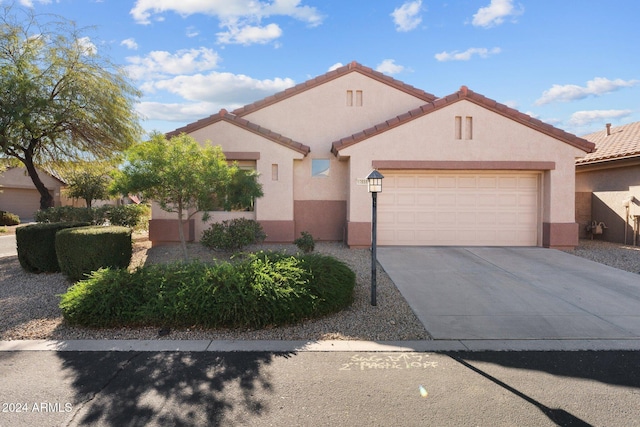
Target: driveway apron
pixel 514 293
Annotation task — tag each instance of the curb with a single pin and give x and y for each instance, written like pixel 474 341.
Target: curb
pixel 319 346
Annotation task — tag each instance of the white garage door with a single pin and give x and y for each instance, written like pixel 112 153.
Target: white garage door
pixel 467 209
pixel 20 201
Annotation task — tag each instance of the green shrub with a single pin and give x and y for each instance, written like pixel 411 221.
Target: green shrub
pixel 259 290
pixel 66 214
pixel 7 218
pixel 305 242
pixel 133 216
pixel 233 235
pixel 331 280
pixel 37 246
pixel 83 250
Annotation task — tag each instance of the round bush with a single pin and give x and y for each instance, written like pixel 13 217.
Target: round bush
pixel 36 245
pixel 81 251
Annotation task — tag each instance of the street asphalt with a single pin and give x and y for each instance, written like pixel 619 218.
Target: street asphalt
pixel 309 388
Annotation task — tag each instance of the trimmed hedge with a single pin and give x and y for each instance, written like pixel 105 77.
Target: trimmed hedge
pixel 81 251
pixel 37 246
pixel 263 289
pixel 7 218
pixel 126 215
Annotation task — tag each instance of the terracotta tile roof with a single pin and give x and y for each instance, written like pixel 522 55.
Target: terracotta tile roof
pixel 352 67
pixel 465 94
pixel 622 143
pixel 224 115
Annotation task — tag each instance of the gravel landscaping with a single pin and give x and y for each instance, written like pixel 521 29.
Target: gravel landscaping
pixel 29 302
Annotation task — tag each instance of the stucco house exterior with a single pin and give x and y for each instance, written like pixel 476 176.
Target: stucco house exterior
pixel 19 196
pixel 458 170
pixel 608 183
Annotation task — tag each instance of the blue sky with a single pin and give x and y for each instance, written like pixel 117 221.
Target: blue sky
pixel 572 63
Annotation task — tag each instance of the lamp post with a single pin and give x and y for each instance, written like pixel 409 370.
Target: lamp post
pixel 374 181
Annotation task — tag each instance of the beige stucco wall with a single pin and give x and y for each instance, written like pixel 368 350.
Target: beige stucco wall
pixel 19 178
pixel 277 203
pixel 319 116
pixel 495 138
pixel 611 187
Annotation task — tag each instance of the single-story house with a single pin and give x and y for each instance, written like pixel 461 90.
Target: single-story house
pixel 608 184
pixel 458 170
pixel 19 196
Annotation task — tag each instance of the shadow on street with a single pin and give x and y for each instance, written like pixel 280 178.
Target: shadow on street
pixel 132 388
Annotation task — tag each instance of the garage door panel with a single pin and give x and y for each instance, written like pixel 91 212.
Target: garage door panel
pixel 406 182
pixel 444 208
pixel 427 199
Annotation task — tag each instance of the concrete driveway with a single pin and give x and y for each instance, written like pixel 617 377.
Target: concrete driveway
pixel 514 293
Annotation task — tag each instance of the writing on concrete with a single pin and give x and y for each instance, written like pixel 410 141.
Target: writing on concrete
pixel 388 361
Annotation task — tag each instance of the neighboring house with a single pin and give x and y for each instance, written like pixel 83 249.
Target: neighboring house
pixel 18 194
pixel 458 170
pixel 608 183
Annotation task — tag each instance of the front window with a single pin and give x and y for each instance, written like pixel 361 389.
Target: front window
pixel 320 167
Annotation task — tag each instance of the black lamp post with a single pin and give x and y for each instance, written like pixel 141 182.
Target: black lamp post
pixel 375 186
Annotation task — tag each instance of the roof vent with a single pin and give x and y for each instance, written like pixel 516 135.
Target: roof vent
pixel 608 125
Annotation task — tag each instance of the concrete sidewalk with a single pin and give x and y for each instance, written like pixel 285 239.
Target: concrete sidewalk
pixel 319 346
pixel 508 294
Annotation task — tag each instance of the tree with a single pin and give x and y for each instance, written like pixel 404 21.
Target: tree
pixel 59 99
pixel 181 176
pixel 88 185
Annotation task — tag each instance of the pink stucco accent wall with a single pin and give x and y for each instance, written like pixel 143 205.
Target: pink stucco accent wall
pixel 560 235
pixel 358 234
pixel 278 231
pixel 324 219
pixel 165 231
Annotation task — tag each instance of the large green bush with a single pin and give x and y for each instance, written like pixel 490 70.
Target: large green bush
pixel 81 251
pixel 259 290
pixel 37 245
pixel 233 235
pixel 134 216
pixel 7 218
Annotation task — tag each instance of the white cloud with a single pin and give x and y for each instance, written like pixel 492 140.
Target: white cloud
pixel 130 43
pixel 240 19
pixel 389 66
pixel 336 66
pixel 248 34
pixel 159 64
pixel 407 17
pixel 596 87
pixel 225 88
pixel 29 3
pixel 582 118
pixel 496 13
pixel 87 46
pixel 482 52
pixel 192 32
pixel 175 112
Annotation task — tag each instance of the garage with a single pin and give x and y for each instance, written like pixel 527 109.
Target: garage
pixel 451 208
pixel 23 202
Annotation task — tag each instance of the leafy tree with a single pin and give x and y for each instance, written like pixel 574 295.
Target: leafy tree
pixel 89 186
pixel 180 175
pixel 59 99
